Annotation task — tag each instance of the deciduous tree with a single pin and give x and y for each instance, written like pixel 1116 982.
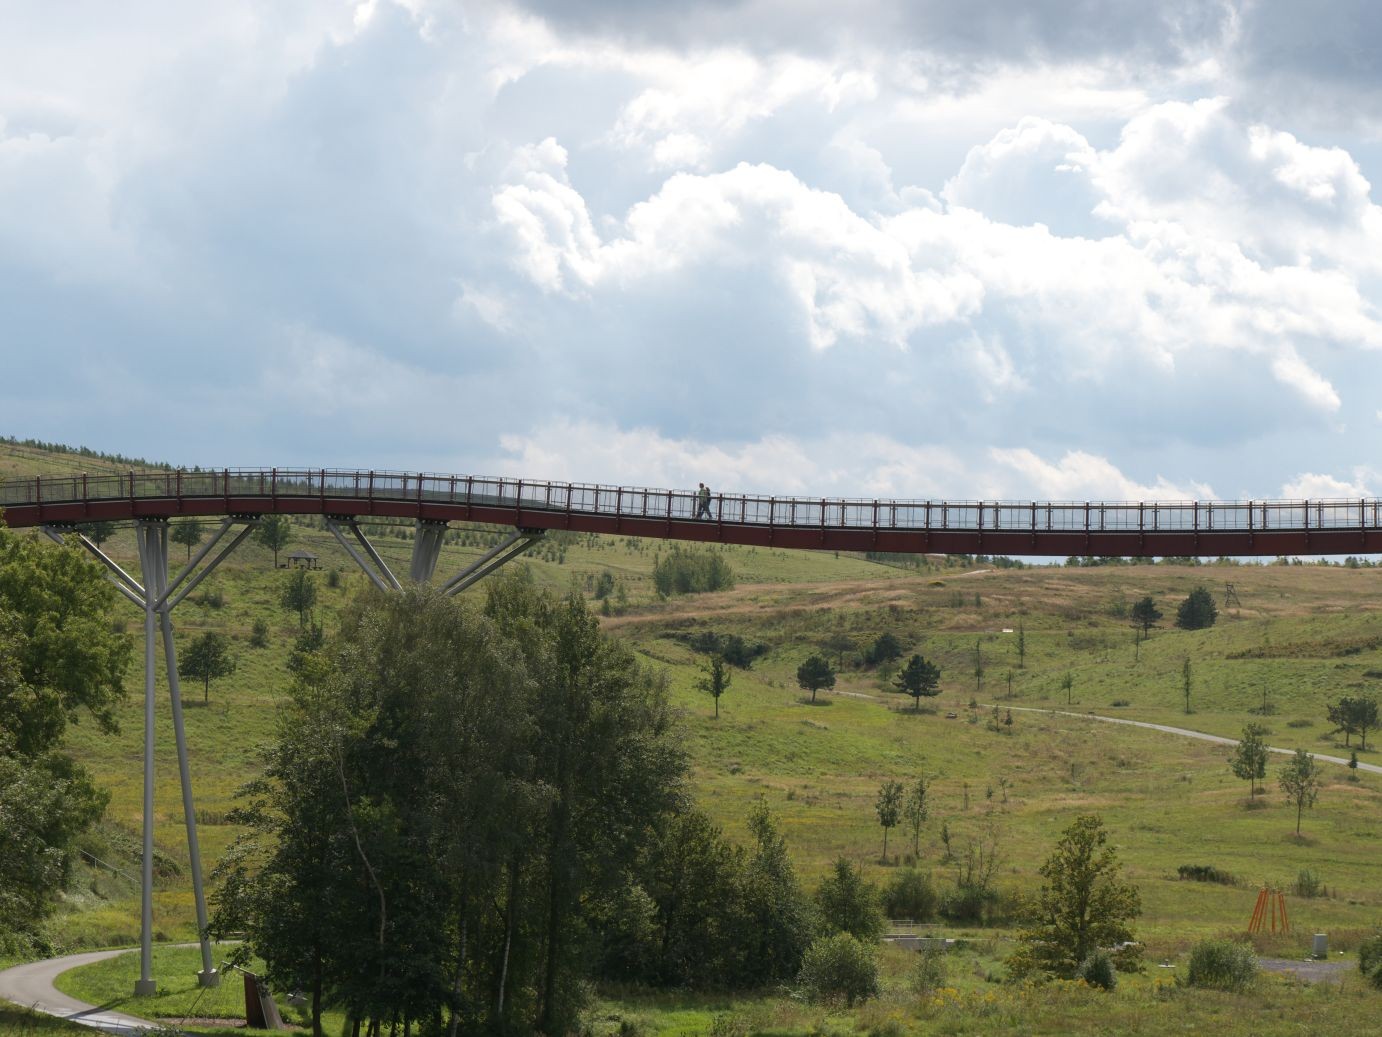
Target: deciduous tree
pixel 207 659
pixel 299 594
pixel 1083 903
pixel 1249 760
pixel 715 679
pixel 189 533
pixel 1300 781
pixel 889 809
pixel 274 532
pixel 916 810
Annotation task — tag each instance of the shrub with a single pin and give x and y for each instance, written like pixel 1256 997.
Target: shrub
pixel 1370 959
pixel 931 971
pixel 838 968
pixel 1307 884
pixel 259 634
pixel 1221 965
pixel 910 895
pixel 1098 970
pixel 1205 873
pixel 687 571
pixel 849 904
pixel 333 578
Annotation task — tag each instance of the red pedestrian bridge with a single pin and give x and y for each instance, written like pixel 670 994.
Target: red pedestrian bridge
pixel 1057 528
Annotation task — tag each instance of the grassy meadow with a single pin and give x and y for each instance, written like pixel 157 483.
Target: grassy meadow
pixel 1301 635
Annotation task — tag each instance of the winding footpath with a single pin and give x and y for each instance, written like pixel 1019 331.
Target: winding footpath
pixel 1183 731
pixel 31 985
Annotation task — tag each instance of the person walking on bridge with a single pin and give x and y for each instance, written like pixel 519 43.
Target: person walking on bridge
pixel 703 501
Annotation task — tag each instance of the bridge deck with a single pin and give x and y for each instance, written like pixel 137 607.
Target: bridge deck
pixel 1057 528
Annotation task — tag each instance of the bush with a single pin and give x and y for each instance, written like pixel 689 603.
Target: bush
pixel 838 968
pixel 333 578
pixel 931 971
pixel 1205 873
pixel 1221 965
pixel 259 634
pixel 1370 959
pixel 1098 970
pixel 849 904
pixel 1197 611
pixel 1307 884
pixel 686 571
pixel 910 895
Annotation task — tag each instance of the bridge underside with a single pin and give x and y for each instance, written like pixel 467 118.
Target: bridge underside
pixel 1361 539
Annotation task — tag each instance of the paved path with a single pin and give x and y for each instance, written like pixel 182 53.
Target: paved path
pixel 1309 970
pixel 1183 731
pixel 31 985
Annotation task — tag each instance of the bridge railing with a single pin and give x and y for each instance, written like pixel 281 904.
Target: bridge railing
pixel 350 485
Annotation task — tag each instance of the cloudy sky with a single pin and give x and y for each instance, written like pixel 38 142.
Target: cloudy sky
pixel 1015 248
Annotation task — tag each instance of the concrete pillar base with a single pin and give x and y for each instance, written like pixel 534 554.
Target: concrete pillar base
pixel 145 987
pixel 209 979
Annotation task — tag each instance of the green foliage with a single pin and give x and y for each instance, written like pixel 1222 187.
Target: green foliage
pixel 688 571
pixel 529 759
pixel 1145 614
pixel 97 532
pixel 46 801
pixel 884 649
pixel 1083 904
pixel 1354 715
pixel 1205 873
pixel 299 594
pixel 849 904
pixel 916 810
pixel 259 634
pixel 1221 965
pixel 1249 760
pixel 188 533
pixel 604 585
pixel 207 659
pixel 1197 611
pixel 715 680
pixel 931 971
pixel 62 660
pixel 888 807
pixel 1308 884
pixel 1300 780
pixel 1370 959
pixel 1098 970
pixel 919 679
pixel 837 644
pixel 838 968
pixel 910 894
pixel 814 674
pixel 736 650
pixel 274 532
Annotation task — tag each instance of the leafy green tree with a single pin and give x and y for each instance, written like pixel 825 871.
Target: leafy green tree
pixel 715 679
pixel 1067 684
pixel 1083 903
pixel 1197 611
pixel 1145 614
pixel 1185 677
pixel 838 644
pixel 884 649
pixel 207 659
pixel 839 968
pixel 59 661
pixel 889 809
pixel 97 532
pixel 919 678
pixel 781 919
pixel 689 571
pixel 1354 715
pixel 189 533
pixel 1300 781
pixel 916 810
pixel 1021 647
pixel 1249 761
pixel 299 594
pixel 849 904
pixel 274 532
pixel 66 662
pixel 814 674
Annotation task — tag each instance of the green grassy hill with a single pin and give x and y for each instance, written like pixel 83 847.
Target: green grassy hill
pixel 1302 634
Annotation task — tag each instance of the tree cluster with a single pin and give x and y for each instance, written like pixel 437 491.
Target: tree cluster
pixel 1354 715
pixel 59 662
pixel 468 812
pixel 686 571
